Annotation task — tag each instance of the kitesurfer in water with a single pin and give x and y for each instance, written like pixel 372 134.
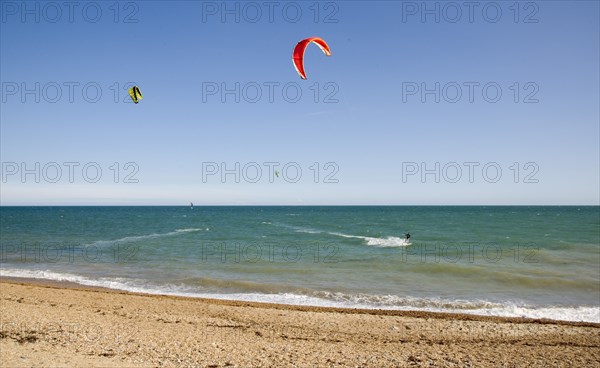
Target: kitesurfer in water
pixel 407 237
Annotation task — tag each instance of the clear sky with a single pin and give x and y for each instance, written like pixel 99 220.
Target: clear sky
pixel 516 121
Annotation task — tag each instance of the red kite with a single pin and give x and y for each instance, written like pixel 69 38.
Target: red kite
pixel 298 56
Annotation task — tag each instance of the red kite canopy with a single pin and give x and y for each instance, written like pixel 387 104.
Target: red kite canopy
pixel 298 56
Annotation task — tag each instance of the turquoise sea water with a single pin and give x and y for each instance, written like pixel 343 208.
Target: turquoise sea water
pixel 510 261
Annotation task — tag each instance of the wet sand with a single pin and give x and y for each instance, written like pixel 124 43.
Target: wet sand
pixel 50 324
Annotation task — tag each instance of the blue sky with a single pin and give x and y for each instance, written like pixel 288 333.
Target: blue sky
pixel 359 118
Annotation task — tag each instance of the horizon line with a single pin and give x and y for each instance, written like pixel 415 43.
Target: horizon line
pixel 301 205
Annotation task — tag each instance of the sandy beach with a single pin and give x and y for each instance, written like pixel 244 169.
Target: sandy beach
pixel 48 324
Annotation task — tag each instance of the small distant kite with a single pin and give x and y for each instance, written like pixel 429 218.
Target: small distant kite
pixel 277 173
pixel 135 94
pixel 298 56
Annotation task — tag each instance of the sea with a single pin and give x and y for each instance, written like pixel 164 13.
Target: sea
pixel 519 261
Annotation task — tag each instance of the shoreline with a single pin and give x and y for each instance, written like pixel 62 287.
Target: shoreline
pixel 306 308
pixel 47 323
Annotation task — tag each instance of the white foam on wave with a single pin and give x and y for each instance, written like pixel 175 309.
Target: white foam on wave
pixel 131 239
pixel 476 307
pixel 331 299
pixel 390 241
pixel 300 229
pixel 309 231
pixel 577 314
pixel 113 283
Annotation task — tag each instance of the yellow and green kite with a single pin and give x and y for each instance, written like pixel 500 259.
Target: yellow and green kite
pixel 135 94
